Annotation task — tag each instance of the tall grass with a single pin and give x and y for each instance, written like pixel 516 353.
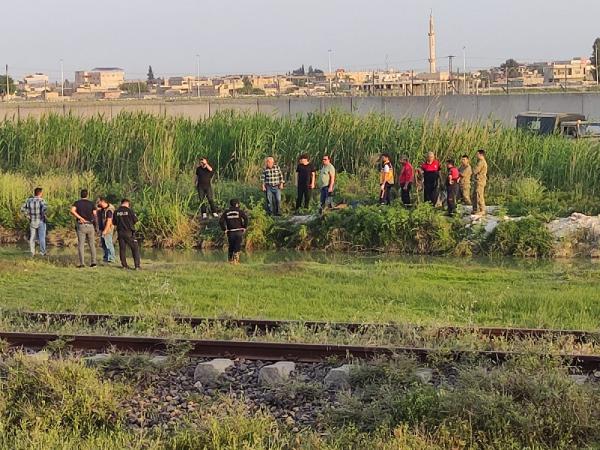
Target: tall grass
pixel 147 149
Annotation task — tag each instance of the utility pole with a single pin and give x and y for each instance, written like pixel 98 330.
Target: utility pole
pixel 198 73
pixel 464 49
pixel 596 51
pixel 62 79
pixel 7 85
pixel 330 71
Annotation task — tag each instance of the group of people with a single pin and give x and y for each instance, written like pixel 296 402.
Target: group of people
pixel 92 218
pixel 457 181
pixel 103 218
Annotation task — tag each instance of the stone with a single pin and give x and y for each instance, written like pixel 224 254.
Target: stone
pixel 160 361
pixel 276 373
pixel 41 356
pixel 96 360
pixel 338 377
pixel 424 374
pixel 210 371
pixel 579 379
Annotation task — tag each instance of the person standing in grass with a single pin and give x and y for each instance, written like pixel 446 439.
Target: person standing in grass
pixel 305 177
pixel 35 209
pixel 234 222
pixel 466 172
pixel 452 186
pixel 202 180
pixel 431 174
pixel 272 184
pixel 386 179
pixel 84 210
pixel 405 180
pixel 480 174
pixel 125 220
pixel 106 213
pixel 326 183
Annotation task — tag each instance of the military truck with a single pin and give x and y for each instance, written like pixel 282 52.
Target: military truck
pixel 549 123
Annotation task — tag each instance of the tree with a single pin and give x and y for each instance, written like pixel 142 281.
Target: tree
pixel 595 53
pixel 510 67
pixel 134 88
pixel 11 85
pixel 150 75
pixel 300 72
pixel 248 88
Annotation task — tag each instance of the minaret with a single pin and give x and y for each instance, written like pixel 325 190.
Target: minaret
pixel 432 68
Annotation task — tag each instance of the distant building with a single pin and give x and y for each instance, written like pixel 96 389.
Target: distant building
pixel 100 79
pixel 36 82
pixel 577 70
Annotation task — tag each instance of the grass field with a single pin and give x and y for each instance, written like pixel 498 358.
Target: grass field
pixel 427 291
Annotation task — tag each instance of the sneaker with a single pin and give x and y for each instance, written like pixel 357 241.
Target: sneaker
pixel 215 215
pixel 137 268
pixel 93 265
pixel 204 216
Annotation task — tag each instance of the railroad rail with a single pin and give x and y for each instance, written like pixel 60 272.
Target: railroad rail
pixel 267 351
pixel 258 325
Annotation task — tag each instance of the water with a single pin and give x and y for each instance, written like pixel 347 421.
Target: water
pixel 68 256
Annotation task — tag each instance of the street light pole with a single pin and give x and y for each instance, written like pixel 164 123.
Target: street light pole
pixel 464 49
pixel 330 72
pixel 596 51
pixel 198 79
pixel 62 79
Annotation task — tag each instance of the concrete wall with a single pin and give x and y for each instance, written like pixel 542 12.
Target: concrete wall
pixel 448 108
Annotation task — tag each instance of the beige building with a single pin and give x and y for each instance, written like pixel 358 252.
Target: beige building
pixel 575 71
pixel 100 79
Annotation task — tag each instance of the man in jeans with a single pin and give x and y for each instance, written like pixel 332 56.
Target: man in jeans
pixel 35 209
pixel 125 220
pixel 326 183
pixel 106 213
pixel 85 212
pixel 204 174
pixel 272 184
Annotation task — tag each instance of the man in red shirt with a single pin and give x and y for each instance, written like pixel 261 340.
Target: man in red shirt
pixel 431 174
pixel 452 186
pixel 405 179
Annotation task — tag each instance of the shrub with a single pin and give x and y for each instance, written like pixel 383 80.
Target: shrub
pixel 528 237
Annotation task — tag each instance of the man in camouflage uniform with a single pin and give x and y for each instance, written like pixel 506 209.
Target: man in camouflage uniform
pixel 466 171
pixel 480 174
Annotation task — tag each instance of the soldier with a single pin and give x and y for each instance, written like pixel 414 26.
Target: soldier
pixel 466 171
pixel 480 173
pixel 234 222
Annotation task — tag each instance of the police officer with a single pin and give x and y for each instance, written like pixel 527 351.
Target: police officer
pixel 234 222
pixel 125 220
pixel 480 174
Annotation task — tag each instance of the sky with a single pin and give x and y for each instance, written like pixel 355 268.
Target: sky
pixel 277 36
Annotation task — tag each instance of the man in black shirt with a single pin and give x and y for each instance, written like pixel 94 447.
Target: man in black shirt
pixel 125 220
pixel 234 222
pixel 84 211
pixel 105 217
pixel 204 174
pixel 306 175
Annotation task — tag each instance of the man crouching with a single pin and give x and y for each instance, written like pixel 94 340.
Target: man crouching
pixel 234 222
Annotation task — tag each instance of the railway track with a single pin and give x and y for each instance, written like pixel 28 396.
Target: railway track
pixel 255 325
pixel 267 351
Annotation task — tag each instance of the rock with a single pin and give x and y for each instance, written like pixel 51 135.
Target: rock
pixel 424 374
pixel 579 379
pixel 159 361
pixel 338 377
pixel 96 360
pixel 41 356
pixel 210 371
pixel 276 373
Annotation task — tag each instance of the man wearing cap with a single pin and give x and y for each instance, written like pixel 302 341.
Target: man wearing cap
pixel 234 222
pixel 480 174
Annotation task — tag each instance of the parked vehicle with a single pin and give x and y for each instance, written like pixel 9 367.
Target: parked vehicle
pixel 549 123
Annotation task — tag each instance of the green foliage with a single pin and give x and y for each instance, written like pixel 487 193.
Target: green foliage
pixel 11 85
pixel 33 392
pixel 528 237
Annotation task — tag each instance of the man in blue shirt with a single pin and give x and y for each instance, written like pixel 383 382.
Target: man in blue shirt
pixel 35 209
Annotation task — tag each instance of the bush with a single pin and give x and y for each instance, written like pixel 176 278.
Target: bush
pixel 528 237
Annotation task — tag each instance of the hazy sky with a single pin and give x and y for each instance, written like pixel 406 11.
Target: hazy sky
pixel 265 36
